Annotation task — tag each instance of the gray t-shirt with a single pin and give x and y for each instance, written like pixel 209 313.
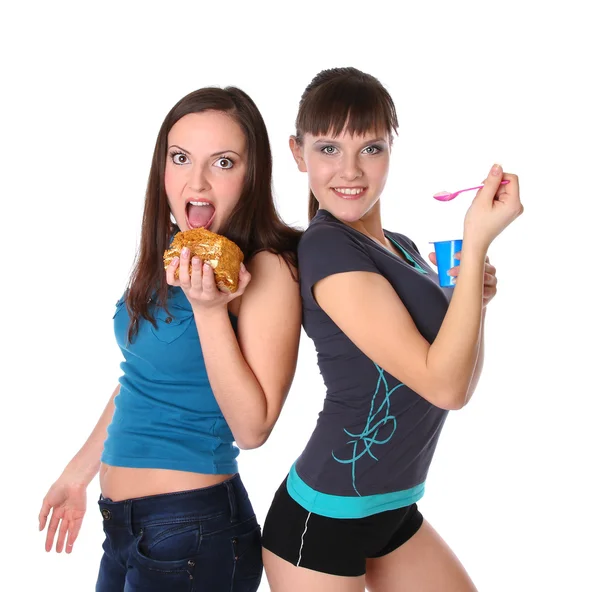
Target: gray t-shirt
pixel 374 435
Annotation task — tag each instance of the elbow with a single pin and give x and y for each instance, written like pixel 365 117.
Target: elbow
pixel 252 441
pixel 456 399
pixel 455 404
pixel 444 394
pixel 452 400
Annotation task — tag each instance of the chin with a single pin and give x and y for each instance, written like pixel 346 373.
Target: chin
pixel 348 219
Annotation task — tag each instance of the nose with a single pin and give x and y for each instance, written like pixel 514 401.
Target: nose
pixel 198 180
pixel 350 168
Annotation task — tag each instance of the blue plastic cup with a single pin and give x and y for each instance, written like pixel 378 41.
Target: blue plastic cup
pixel 445 252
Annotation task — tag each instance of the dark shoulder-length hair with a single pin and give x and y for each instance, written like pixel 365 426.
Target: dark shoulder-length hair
pixel 344 99
pixel 254 224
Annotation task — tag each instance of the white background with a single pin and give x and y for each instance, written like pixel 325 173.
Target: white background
pixel 86 87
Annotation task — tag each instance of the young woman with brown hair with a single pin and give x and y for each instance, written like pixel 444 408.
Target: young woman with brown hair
pixel 198 372
pixel 396 352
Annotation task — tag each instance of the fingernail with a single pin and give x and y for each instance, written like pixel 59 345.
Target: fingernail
pixel 242 267
pixel 174 261
pixel 496 170
pixel 196 261
pixel 185 252
pixel 206 267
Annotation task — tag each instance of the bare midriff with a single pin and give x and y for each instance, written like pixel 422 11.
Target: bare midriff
pixel 122 483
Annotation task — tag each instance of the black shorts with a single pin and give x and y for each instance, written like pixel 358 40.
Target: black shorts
pixel 336 546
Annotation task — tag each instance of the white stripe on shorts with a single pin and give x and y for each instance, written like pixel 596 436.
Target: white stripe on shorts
pixel 302 540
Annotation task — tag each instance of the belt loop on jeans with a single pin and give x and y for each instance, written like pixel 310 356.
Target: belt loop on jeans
pixel 233 507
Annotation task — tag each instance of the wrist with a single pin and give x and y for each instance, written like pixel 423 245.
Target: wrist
pixel 471 249
pixel 210 313
pixel 475 243
pixel 77 474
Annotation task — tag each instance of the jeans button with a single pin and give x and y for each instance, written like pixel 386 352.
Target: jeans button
pixel 191 563
pixel 105 514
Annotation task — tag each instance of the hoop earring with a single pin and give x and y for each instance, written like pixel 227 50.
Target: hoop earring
pixel 173 221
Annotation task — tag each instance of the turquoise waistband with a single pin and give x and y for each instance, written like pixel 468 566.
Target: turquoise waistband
pixel 341 506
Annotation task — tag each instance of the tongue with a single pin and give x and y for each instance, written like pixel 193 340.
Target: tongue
pixel 200 216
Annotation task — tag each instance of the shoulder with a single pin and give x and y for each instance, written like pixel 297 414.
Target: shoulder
pixel 329 248
pixel 326 232
pixel 273 288
pixel 266 267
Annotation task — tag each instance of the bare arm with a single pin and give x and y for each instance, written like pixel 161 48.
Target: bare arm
pixel 489 291
pixel 86 463
pixel 67 498
pixel 440 372
pixel 480 360
pixel 373 317
pixel 452 357
pixel 251 375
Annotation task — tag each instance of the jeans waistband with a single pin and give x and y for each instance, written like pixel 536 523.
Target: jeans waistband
pixel 229 497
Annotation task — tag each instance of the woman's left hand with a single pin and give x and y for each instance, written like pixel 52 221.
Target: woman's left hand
pixel 489 278
pixel 200 287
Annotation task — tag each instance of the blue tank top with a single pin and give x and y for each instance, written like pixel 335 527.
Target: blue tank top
pixel 166 415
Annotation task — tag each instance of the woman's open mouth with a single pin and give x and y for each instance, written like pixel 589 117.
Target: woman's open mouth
pixel 199 214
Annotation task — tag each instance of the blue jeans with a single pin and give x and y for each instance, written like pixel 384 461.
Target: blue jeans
pixel 205 539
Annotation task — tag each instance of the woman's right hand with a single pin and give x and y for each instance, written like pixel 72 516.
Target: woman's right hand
pixel 494 207
pixel 67 500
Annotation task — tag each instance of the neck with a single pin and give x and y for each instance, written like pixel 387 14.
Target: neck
pixel 370 223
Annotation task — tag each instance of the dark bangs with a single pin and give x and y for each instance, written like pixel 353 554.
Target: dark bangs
pixel 345 99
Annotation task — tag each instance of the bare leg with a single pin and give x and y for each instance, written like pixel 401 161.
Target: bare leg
pixel 286 577
pixel 424 563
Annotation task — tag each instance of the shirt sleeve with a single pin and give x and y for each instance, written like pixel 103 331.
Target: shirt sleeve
pixel 328 250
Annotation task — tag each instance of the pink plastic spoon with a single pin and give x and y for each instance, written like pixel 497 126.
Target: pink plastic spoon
pixel 445 196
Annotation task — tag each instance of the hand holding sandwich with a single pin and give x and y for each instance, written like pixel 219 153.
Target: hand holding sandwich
pixel 212 282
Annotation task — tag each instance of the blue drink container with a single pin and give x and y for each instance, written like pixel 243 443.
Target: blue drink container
pixel 445 252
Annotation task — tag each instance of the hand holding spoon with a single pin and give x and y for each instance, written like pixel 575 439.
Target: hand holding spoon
pixel 445 196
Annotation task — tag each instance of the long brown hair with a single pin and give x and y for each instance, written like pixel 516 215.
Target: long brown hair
pixel 341 99
pixel 254 225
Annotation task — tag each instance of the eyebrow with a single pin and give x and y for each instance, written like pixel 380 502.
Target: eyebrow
pixel 220 153
pixel 334 143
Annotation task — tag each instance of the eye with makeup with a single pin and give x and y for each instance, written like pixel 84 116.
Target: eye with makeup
pixel 179 158
pixel 329 150
pixel 224 162
pixel 372 150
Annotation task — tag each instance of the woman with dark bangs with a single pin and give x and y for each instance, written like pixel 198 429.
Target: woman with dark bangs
pixel 396 352
pixel 198 371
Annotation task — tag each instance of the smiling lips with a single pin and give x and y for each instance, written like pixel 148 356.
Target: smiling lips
pixel 350 193
pixel 199 213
